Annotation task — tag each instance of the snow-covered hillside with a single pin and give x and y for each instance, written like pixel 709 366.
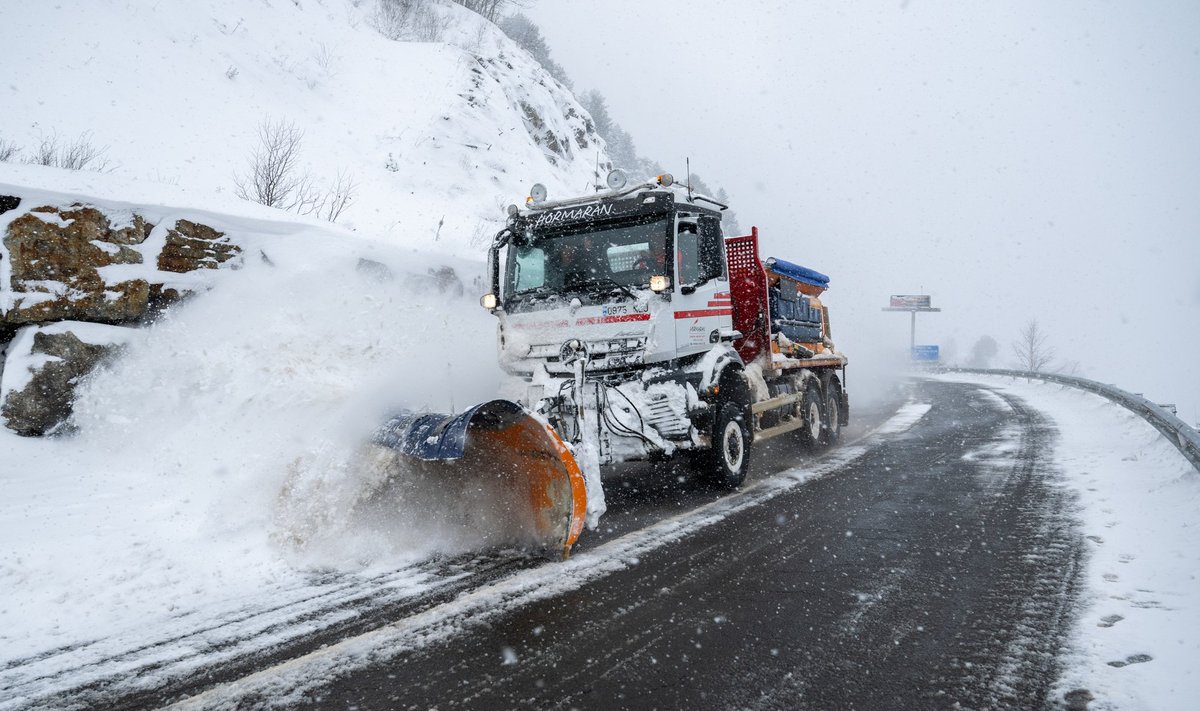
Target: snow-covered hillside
pixel 439 136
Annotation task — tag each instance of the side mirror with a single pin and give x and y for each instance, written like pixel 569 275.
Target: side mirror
pixel 687 289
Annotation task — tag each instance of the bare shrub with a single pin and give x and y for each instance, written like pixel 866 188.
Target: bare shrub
pixel 8 150
pixel 429 25
pixel 324 59
pixel 393 17
pixel 80 154
pixel 417 20
pixel 339 196
pixel 490 9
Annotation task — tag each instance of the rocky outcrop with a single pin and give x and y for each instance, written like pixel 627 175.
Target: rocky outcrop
pixel 55 257
pixel 71 269
pixel 45 363
pixel 191 246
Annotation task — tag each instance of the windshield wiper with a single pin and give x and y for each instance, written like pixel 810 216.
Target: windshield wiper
pixel 537 292
pixel 597 284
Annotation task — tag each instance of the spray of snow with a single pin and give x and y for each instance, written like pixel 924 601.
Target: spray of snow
pixel 227 441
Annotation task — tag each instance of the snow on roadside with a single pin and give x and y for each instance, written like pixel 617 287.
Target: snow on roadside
pixel 1134 644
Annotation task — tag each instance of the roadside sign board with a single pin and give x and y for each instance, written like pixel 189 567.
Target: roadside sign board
pixel 910 301
pixel 925 354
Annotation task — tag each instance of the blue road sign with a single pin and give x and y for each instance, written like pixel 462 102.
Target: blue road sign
pixel 925 354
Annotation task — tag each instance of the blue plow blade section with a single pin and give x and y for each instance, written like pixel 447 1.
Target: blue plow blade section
pixel 433 437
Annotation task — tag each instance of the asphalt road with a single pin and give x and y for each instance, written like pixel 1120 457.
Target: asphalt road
pixel 932 567
pixel 937 570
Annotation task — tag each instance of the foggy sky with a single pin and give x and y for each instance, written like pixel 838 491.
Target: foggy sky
pixel 1014 160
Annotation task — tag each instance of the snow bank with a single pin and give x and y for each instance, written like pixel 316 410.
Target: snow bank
pixel 1134 644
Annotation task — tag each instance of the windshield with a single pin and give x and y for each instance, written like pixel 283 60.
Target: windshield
pixel 590 260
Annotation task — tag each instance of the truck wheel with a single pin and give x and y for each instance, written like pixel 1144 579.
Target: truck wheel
pixel 730 454
pixel 831 432
pixel 812 410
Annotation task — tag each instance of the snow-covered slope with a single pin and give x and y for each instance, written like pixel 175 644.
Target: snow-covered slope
pixel 440 136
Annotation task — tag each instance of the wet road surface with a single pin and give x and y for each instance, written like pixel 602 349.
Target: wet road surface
pixel 933 567
pixel 935 571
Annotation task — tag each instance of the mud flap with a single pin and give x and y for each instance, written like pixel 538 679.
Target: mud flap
pixel 508 461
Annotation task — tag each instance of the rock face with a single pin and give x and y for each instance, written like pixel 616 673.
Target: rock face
pixel 192 246
pixel 70 269
pixel 55 257
pixel 49 363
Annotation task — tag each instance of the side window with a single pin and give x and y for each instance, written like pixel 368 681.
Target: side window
pixel 687 253
pixel 711 266
pixel 530 266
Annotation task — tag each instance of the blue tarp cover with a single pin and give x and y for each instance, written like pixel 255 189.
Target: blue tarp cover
pixel 797 272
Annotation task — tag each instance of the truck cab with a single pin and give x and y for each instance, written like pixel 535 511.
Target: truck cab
pixel 631 280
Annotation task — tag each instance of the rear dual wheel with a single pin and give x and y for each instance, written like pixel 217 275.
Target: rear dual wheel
pixel 831 431
pixel 812 412
pixel 821 410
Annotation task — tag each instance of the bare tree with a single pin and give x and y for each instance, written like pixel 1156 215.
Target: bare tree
pixel 1032 348
pixel 275 179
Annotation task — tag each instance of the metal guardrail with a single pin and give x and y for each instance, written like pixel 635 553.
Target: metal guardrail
pixel 1177 432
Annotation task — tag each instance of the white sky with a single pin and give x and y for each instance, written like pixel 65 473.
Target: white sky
pixel 1014 160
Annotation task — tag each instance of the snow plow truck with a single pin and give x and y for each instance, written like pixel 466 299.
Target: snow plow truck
pixel 632 329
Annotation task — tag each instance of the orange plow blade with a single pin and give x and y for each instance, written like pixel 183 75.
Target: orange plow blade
pixel 512 472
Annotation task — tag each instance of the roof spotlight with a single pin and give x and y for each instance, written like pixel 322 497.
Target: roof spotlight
pixel 616 179
pixel 666 180
pixel 538 192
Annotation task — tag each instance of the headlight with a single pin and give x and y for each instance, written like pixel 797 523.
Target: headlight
pixel 659 283
pixel 489 302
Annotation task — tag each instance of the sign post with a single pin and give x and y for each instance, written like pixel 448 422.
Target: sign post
pixel 912 303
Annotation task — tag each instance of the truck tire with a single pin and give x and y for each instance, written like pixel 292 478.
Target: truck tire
pixel 729 457
pixel 831 431
pixel 812 411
